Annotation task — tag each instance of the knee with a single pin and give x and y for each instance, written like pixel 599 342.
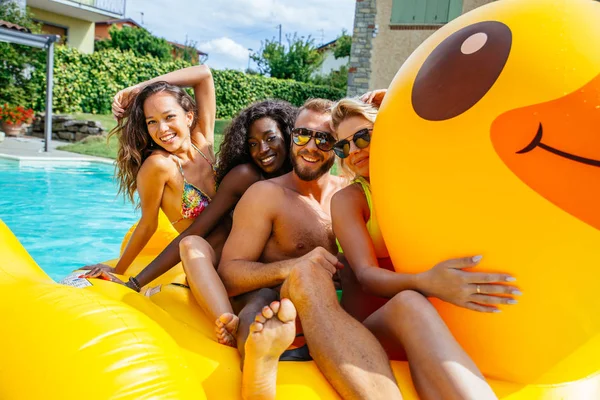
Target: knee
pixel 409 300
pixel 306 280
pixel 197 247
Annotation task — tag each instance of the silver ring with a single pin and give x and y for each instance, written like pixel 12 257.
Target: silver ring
pixel 478 289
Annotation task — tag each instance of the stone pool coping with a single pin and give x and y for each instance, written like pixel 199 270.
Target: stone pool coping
pixel 29 150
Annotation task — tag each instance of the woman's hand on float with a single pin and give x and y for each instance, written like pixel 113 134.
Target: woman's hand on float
pixel 374 97
pixel 478 291
pixel 102 267
pixel 100 274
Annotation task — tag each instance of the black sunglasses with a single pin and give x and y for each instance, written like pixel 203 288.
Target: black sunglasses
pixel 323 140
pixel 361 139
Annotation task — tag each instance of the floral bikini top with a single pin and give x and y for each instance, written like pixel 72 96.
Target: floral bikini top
pixel 193 199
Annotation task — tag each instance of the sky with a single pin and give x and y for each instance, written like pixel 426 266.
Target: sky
pixel 226 29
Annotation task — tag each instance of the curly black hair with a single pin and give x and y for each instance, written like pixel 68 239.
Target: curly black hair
pixel 234 148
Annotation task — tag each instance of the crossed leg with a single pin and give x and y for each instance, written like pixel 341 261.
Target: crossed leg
pixel 345 351
pixel 199 260
pixel 439 366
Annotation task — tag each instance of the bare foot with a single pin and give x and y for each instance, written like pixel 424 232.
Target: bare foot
pixel 271 333
pixel 226 327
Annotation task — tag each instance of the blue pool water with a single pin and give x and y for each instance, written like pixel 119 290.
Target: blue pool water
pixel 65 215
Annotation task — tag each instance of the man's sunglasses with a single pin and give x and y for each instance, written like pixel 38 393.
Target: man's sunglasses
pixel 361 139
pixel 323 140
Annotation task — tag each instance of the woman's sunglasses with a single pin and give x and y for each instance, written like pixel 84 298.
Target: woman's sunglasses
pixel 361 139
pixel 323 140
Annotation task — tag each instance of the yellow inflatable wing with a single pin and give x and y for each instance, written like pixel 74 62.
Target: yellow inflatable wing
pixel 98 340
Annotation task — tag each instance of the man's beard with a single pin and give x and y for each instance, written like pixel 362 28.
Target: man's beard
pixel 310 174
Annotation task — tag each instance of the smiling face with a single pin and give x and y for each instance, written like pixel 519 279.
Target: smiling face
pixel 267 145
pixel 358 159
pixel 167 122
pixel 309 161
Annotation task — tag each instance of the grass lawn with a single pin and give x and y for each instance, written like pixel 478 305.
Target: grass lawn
pixel 97 145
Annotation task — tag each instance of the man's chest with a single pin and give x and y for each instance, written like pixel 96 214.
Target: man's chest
pixel 299 229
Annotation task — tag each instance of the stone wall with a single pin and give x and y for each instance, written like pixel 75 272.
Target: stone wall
pixel 359 69
pixel 64 127
pixel 389 46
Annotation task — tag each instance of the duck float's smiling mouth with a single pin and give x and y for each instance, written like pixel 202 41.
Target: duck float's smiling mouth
pixel 537 142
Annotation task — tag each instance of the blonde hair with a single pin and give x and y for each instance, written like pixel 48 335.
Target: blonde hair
pixel 352 107
pixel 321 106
pixel 344 109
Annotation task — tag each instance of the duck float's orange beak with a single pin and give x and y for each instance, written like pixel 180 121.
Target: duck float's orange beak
pixel 554 147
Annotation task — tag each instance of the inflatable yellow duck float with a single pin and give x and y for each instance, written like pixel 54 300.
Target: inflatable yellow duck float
pixel 487 143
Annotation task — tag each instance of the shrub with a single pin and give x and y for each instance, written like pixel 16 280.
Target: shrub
pixel 17 61
pixel 140 41
pixel 88 82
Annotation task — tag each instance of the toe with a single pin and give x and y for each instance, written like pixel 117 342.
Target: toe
pixel 232 326
pixel 260 318
pixel 256 327
pixel 287 311
pixel 226 318
pixel 275 306
pixel 267 312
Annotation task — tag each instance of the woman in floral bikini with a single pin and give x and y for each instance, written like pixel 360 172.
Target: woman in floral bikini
pixel 166 154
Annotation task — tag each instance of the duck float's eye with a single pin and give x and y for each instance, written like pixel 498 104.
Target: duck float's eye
pixel 461 70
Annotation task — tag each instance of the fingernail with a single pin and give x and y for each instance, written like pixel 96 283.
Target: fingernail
pixel 476 258
pixel 496 311
pixel 511 301
pixel 517 293
pixel 510 279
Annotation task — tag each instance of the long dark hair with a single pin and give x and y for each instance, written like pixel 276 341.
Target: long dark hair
pixel 135 143
pixel 234 148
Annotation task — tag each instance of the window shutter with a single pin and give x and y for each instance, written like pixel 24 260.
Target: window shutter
pixel 403 11
pixel 425 11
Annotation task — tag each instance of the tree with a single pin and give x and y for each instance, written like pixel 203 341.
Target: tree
pixel 18 61
pixel 138 40
pixel 298 60
pixel 343 45
pixel 336 79
pixel 188 52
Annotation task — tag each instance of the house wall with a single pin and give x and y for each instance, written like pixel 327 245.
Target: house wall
pixel 330 63
pixel 394 44
pixel 81 33
pixel 101 30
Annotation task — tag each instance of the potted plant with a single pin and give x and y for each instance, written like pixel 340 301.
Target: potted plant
pixel 13 119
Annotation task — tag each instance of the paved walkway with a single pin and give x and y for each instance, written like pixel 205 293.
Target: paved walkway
pixel 32 149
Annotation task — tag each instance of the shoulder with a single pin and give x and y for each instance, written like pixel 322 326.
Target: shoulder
pixel 245 172
pixel 158 162
pixel 240 178
pixel 350 195
pixel 351 199
pixel 264 194
pixel 265 189
pixel 261 199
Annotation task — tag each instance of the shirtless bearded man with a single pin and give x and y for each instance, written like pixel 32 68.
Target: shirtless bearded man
pixel 282 235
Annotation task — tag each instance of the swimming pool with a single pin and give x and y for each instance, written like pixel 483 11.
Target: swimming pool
pixel 65 215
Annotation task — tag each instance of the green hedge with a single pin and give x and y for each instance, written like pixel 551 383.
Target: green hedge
pixel 88 82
